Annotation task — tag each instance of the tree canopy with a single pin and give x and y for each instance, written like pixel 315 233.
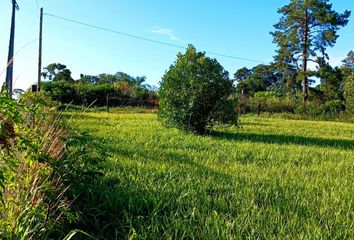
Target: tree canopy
pixel 195 92
pixel 57 72
pixel 305 30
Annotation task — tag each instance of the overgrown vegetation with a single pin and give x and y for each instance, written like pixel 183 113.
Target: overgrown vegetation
pixel 45 168
pixel 121 88
pixel 195 92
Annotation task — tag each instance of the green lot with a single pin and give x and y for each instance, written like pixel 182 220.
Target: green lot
pixel 270 178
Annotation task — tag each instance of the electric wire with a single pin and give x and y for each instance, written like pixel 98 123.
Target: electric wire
pixel 146 39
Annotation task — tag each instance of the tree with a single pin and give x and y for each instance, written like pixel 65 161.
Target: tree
pixel 305 30
pixel 241 75
pixel 195 92
pixel 331 80
pixel 256 79
pixel 104 78
pixel 349 93
pixel 57 72
pixel 287 68
pixel 88 79
pixel 348 64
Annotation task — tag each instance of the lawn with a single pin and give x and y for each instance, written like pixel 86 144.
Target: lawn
pixel 269 178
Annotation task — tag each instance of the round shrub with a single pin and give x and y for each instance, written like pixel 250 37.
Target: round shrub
pixel 196 92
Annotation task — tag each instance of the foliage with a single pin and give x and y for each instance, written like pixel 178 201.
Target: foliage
pixel 266 94
pixel 194 90
pixel 304 31
pixel 272 103
pixel 42 172
pixel 93 90
pixel 349 93
pixel 61 91
pixel 57 72
pixel 259 78
pixel 271 179
pixel 86 94
pixel 348 64
pixel 331 81
pixel 328 110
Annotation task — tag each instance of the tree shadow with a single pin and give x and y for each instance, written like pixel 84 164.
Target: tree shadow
pixel 284 139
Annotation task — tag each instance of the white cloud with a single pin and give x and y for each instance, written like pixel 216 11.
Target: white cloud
pixel 167 32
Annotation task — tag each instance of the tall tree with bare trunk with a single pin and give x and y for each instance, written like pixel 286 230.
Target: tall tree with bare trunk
pixel 305 30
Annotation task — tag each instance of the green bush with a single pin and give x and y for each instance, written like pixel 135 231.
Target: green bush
pixel 333 107
pixel 271 102
pixel 327 110
pixel 61 91
pixel 195 92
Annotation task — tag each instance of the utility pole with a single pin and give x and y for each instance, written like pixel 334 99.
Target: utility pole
pixel 40 51
pixel 10 58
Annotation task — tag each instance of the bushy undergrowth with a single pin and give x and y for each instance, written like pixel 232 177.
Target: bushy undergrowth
pixel 274 104
pixel 85 94
pixel 44 169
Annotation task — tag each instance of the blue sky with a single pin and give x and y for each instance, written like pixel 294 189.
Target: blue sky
pixel 233 27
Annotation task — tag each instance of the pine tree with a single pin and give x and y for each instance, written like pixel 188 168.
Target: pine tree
pixel 305 30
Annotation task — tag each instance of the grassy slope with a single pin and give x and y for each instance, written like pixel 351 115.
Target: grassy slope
pixel 272 178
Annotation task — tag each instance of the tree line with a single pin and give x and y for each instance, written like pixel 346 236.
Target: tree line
pixel 306 29
pixel 304 32
pixel 94 90
pixel 274 90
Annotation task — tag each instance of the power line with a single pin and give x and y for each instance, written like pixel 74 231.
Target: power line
pixel 146 39
pixel 37 4
pixel 18 53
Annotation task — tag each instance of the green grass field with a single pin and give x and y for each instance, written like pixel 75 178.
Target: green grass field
pixel 268 179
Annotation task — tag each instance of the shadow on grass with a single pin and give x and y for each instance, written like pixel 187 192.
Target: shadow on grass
pixel 284 139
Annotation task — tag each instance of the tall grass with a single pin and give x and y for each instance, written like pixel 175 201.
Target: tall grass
pixel 269 179
pixel 42 170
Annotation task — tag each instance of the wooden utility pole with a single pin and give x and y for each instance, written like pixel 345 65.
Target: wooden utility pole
pixel 40 51
pixel 10 58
